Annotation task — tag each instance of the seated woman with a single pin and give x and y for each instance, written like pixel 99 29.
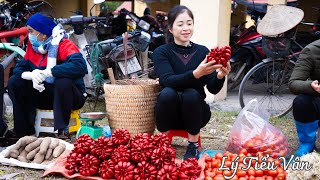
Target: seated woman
pixel 183 72
pixel 49 77
pixel 304 82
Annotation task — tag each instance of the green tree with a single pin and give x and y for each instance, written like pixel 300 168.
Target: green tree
pixel 110 6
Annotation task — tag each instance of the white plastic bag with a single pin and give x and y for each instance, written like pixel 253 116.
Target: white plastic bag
pixel 253 132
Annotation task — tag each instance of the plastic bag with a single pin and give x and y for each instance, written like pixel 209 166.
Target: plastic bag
pixel 253 132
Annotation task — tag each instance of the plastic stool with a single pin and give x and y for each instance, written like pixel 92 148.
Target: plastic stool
pixel 180 133
pixel 44 121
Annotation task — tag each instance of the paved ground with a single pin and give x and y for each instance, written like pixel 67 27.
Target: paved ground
pixel 230 104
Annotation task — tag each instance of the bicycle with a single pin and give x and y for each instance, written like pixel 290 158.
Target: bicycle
pixel 268 80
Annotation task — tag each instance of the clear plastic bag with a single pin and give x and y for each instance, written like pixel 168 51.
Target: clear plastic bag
pixel 253 132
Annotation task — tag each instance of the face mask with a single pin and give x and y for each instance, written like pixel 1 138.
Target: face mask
pixel 34 41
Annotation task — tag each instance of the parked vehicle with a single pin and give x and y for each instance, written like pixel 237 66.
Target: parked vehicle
pixel 268 80
pixel 247 49
pixel 247 52
pixel 101 55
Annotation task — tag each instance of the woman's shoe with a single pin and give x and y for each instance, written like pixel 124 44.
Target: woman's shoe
pixel 64 135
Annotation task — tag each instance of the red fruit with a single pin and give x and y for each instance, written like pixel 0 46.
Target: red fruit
pixel 73 162
pixel 190 169
pixel 220 55
pixel 121 153
pixel 141 147
pixel 84 144
pixel 89 165
pixel 138 154
pixel 120 137
pixel 160 139
pixel 145 170
pixel 168 171
pixel 106 170
pixel 103 148
pixel 163 155
pixel 124 171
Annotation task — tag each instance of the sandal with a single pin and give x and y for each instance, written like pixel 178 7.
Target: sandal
pixel 63 135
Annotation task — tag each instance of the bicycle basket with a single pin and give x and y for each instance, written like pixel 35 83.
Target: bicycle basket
pixel 117 53
pixel 276 47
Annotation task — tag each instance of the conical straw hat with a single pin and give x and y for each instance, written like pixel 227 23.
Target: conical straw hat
pixel 279 19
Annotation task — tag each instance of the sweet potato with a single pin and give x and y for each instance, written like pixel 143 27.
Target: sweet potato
pixel 24 141
pixel 14 153
pixel 21 149
pixel 48 154
pixel 45 145
pixel 23 153
pixel 32 153
pixel 38 158
pixel 33 145
pixel 22 159
pixel 59 150
pixel 54 143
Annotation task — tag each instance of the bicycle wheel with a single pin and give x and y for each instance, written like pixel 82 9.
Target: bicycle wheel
pixel 268 82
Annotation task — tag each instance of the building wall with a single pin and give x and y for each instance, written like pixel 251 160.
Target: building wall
pixel 63 8
pixel 162 6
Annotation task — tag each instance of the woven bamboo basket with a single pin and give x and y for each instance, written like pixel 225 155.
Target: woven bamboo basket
pixel 130 104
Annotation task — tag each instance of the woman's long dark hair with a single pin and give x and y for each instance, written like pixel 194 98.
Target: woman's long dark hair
pixel 172 15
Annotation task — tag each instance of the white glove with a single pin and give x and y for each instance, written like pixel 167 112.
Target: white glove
pixel 46 73
pixel 37 76
pixel 26 75
pixel 39 87
pixel 57 34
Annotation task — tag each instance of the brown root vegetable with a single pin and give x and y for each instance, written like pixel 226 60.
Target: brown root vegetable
pixel 48 154
pixel 32 153
pixel 45 145
pixel 21 149
pixel 59 150
pixel 54 143
pixel 24 141
pixel 14 153
pixel 22 159
pixel 33 145
pixel 38 158
pixel 24 153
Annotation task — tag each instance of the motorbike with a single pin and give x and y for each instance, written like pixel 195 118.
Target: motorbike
pixel 111 53
pixel 101 55
pixel 247 51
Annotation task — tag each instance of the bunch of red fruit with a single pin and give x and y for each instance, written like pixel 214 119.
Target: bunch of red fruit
pixel 119 157
pixel 220 55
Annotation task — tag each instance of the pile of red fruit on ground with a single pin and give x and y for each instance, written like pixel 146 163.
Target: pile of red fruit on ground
pixel 120 157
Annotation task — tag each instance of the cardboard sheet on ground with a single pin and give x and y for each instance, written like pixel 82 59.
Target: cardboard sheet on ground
pixel 59 168
pixel 44 165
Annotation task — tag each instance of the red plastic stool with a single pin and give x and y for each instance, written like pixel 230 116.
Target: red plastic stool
pixel 180 133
